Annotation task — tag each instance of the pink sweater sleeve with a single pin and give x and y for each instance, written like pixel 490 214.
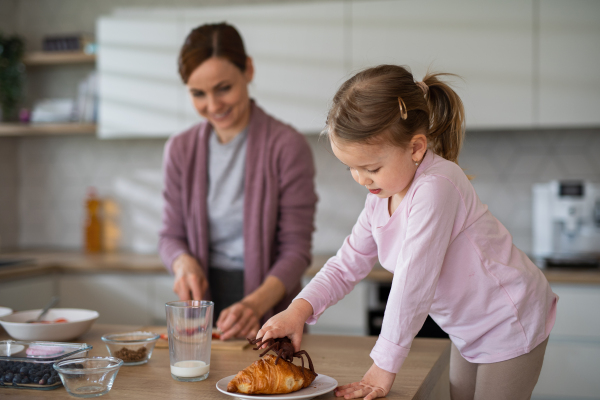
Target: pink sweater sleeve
pixel 353 261
pixel 173 238
pixel 435 211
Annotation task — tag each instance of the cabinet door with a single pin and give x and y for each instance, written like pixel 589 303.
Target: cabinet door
pixel 487 43
pixel 572 359
pixel 298 53
pixel 569 58
pixel 139 87
pixel 28 294
pixel 347 317
pixel 118 298
pixel 162 292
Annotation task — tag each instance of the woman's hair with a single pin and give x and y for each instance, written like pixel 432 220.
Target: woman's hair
pixel 211 40
pixel 368 108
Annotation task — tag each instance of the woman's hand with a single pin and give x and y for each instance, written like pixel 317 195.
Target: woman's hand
pixel 238 320
pixel 190 282
pixel 377 382
pixel 289 322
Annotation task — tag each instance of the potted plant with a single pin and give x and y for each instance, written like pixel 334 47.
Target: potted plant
pixel 11 76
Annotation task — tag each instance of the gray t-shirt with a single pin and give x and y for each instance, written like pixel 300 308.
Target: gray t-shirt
pixel 225 201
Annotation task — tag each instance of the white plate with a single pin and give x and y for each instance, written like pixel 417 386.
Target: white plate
pixel 5 311
pixel 14 349
pixel 321 385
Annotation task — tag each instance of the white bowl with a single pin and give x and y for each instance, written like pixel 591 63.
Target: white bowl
pixel 79 322
pixel 5 311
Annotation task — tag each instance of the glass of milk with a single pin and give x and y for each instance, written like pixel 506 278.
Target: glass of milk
pixel 189 324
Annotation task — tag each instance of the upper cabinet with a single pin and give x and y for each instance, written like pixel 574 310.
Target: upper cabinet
pixel 487 43
pixel 298 54
pixel 522 64
pixel 569 55
pixel 140 91
pixel 297 51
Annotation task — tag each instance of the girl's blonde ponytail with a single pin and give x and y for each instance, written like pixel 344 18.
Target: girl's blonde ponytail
pixel 385 103
pixel 446 118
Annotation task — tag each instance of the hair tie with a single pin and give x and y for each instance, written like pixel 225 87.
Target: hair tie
pixel 403 112
pixel 423 87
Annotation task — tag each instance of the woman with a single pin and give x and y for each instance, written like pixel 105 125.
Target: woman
pixel 239 197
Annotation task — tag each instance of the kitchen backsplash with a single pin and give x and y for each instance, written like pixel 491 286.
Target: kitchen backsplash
pixel 43 183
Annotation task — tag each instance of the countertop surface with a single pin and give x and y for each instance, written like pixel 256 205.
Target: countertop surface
pixel 40 262
pixel 344 358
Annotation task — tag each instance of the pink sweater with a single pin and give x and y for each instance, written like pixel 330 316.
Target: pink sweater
pixel 279 202
pixel 451 259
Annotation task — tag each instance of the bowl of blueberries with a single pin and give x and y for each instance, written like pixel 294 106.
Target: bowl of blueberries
pixel 29 365
pixel 88 377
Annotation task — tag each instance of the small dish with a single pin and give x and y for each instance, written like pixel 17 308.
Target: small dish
pixel 88 377
pixel 134 348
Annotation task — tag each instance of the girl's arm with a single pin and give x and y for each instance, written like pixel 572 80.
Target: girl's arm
pixel 352 263
pixel 436 215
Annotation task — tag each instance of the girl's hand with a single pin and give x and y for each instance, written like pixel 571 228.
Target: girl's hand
pixel 377 382
pixel 289 322
pixel 238 320
pixel 190 282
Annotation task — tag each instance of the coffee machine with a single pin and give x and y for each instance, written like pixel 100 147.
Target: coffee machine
pixel 566 224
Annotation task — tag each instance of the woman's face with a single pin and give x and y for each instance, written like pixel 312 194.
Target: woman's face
pixel 219 92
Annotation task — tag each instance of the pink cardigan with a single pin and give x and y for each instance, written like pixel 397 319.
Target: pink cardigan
pixel 451 259
pixel 279 202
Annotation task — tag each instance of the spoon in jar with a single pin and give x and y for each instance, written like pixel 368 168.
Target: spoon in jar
pixel 51 303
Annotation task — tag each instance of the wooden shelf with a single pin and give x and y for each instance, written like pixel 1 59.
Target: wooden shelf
pixel 47 129
pixel 58 58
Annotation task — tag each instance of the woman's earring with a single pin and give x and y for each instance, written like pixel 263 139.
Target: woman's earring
pixel 416 163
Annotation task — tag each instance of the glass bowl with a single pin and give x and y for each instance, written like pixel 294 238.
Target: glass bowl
pixel 88 377
pixel 134 348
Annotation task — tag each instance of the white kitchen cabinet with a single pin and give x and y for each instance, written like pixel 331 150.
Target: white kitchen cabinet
pixel 569 55
pixel 118 298
pixel 28 294
pixel 161 293
pixel 139 88
pixel 347 317
pixel 298 53
pixel 487 43
pixel 572 359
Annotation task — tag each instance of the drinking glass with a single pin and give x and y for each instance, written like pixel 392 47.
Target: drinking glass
pixel 189 324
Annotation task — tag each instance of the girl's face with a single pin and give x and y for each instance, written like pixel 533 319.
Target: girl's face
pixel 219 92
pixel 384 169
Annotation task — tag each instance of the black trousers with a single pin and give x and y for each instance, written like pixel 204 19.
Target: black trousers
pixel 226 287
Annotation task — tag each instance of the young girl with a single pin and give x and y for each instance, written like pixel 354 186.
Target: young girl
pixel 450 257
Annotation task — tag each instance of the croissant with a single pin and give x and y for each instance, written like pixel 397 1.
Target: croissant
pixel 265 377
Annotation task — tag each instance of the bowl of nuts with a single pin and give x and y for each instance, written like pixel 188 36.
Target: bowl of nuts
pixel 134 348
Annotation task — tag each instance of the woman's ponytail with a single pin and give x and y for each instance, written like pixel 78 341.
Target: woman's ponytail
pixel 446 118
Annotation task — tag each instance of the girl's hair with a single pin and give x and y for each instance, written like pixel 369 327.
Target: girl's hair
pixel 368 108
pixel 211 40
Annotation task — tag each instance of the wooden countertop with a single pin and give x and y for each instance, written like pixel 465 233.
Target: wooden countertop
pixel 43 262
pixel 344 358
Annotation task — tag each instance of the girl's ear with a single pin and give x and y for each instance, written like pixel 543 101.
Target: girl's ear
pixel 249 72
pixel 419 147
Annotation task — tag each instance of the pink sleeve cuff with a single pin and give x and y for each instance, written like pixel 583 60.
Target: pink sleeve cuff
pixel 388 356
pixel 313 318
